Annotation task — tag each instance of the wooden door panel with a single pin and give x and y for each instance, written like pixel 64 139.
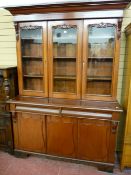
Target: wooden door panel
pixel 5 132
pixel 65 58
pixel 93 139
pixel 3 136
pixel 61 136
pixel 31 128
pixel 32 55
pixel 100 59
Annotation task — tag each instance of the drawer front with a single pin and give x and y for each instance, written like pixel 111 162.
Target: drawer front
pixel 32 109
pixel 84 114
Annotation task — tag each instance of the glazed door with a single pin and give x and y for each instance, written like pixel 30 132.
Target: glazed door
pixel 61 136
pixel 93 139
pixel 30 128
pixel 32 70
pixel 64 52
pixel 100 59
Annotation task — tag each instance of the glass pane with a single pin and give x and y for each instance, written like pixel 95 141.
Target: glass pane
pixel 64 58
pixel 32 64
pixel 100 59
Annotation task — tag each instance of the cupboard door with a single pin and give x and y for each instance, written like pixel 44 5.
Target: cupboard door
pixel 61 136
pixel 93 139
pixel 31 131
pixel 65 58
pixel 100 59
pixel 32 45
pixel 6 142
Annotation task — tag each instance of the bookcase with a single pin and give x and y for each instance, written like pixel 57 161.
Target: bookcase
pixel 68 61
pixel 81 59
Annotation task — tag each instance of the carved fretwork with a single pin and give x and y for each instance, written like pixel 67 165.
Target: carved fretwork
pixel 102 25
pixel 17 30
pixel 30 27
pixel 119 29
pixel 64 26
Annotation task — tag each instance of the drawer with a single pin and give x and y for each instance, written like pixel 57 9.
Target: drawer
pixel 44 110
pixel 84 114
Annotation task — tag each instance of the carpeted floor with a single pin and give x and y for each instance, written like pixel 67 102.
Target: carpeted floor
pixel 32 165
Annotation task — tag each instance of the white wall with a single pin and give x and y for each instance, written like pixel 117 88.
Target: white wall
pixel 7 39
pixel 126 21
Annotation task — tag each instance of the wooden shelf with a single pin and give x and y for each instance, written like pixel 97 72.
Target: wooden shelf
pixel 65 58
pixel 32 57
pixel 63 39
pixel 101 37
pixel 65 77
pixel 33 76
pixel 99 78
pixel 31 38
pixel 106 58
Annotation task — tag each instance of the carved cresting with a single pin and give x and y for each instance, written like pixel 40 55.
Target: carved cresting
pixel 119 29
pixel 64 26
pixel 102 25
pixel 30 27
pixel 17 30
